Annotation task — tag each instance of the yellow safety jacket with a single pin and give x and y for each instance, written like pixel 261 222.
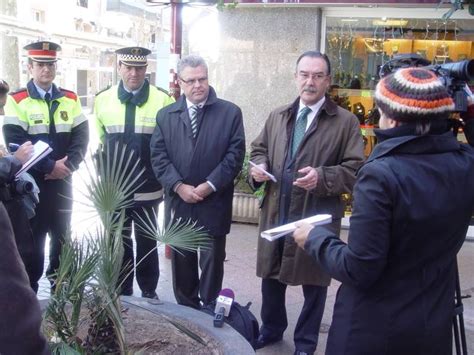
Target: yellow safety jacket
pixel 127 119
pixel 59 122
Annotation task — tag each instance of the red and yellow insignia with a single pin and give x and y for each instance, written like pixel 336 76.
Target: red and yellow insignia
pixel 64 115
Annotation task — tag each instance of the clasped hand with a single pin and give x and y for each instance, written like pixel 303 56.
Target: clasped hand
pixel 191 194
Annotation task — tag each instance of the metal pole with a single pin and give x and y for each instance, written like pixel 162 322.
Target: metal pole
pixel 175 55
pixel 176 44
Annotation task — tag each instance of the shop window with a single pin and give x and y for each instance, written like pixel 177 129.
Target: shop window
pixel 359 47
pixel 38 16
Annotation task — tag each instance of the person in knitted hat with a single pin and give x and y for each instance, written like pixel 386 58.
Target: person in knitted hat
pixel 413 202
pixel 413 95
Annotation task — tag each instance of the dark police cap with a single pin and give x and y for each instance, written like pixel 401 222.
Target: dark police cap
pixel 133 56
pixel 43 51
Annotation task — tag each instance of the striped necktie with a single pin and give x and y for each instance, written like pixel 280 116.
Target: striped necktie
pixel 193 117
pixel 300 129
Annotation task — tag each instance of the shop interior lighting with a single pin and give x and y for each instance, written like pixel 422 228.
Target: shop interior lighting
pixel 390 23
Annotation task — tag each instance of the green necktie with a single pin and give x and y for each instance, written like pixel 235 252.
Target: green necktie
pixel 300 129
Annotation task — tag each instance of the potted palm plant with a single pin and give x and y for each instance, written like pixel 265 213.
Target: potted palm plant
pixel 85 314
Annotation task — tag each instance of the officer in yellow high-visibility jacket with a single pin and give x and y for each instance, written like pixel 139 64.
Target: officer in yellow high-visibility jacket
pixel 42 111
pixel 125 114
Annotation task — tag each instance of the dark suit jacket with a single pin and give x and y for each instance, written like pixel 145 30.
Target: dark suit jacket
pixel 20 315
pixel 216 155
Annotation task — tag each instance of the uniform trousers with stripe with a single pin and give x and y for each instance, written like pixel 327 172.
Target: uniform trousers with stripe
pixel 146 262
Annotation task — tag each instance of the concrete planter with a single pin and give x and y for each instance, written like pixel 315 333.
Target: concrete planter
pixel 229 340
pixel 245 208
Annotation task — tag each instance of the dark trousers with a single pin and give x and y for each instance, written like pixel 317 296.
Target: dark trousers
pixel 53 217
pixel 187 285
pixel 147 267
pixel 275 321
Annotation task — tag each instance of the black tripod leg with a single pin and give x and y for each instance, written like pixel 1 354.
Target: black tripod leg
pixel 459 331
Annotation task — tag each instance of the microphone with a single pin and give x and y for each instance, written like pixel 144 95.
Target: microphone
pixel 223 305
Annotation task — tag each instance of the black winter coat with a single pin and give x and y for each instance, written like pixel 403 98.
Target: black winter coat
pixel 413 201
pixel 20 319
pixel 216 155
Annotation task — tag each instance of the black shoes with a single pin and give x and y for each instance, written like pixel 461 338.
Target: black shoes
pixel 150 294
pixel 263 341
pixel 127 292
pixel 145 294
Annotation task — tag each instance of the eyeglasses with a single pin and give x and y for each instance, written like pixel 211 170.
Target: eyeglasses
pixel 194 81
pixel 314 76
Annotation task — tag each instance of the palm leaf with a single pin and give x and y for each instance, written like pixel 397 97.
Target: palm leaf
pixel 89 270
pixel 178 234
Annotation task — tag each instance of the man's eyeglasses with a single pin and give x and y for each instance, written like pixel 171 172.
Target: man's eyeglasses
pixel 194 81
pixel 313 76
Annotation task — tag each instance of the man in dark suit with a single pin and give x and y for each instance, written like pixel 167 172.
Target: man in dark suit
pixel 197 149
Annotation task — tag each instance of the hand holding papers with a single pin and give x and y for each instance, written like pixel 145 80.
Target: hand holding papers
pixel 41 149
pixel 259 168
pixel 278 232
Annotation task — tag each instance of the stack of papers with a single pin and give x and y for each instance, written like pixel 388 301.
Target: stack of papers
pixel 41 149
pixel 278 232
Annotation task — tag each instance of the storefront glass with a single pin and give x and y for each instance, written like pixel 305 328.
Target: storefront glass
pixel 359 47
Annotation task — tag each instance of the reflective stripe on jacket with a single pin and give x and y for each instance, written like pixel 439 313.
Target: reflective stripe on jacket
pixel 131 122
pixel 60 123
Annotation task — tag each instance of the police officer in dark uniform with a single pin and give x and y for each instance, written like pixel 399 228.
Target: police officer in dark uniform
pixel 125 116
pixel 42 111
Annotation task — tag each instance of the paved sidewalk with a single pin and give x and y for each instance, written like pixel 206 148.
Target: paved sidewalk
pixel 240 277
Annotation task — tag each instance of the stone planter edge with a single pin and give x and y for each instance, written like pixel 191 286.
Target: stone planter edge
pixel 231 342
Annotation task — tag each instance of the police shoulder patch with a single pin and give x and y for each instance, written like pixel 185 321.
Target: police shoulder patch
pixel 69 94
pixel 20 95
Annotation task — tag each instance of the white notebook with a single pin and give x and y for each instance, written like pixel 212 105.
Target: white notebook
pixel 41 149
pixel 278 232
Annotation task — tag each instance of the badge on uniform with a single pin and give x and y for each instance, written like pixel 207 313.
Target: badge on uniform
pixel 63 115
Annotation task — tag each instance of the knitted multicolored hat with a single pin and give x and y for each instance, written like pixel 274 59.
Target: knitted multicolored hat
pixel 413 94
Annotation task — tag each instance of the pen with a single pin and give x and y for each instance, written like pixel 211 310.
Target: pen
pixel 13 147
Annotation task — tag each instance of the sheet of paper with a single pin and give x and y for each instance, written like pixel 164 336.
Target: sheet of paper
pixel 259 168
pixel 41 149
pixel 278 232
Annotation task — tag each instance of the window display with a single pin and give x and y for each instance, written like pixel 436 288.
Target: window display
pixel 359 47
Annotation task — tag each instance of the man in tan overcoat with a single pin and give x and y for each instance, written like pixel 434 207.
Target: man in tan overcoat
pixel 313 148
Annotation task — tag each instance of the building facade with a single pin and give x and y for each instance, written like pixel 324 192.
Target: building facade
pixel 89 32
